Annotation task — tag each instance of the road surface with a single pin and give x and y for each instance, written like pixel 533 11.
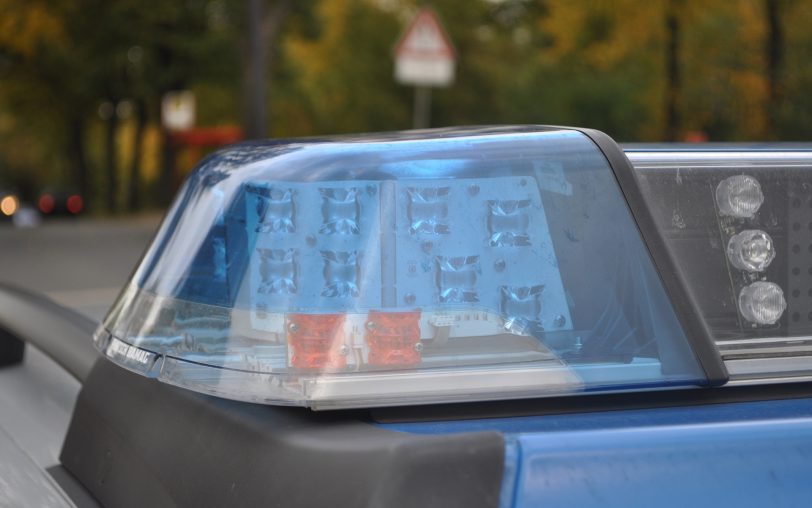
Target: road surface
pixel 81 263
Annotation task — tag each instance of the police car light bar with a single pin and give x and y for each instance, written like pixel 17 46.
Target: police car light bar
pixel 427 266
pixel 739 222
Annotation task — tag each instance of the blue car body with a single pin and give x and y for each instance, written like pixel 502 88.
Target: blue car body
pixel 730 454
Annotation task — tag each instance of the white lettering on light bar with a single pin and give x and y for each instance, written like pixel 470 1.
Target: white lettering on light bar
pixel 129 352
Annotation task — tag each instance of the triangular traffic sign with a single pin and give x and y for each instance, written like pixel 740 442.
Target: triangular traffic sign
pixel 424 55
pixel 425 37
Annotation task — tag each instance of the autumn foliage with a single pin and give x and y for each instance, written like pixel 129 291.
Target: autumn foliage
pixel 81 81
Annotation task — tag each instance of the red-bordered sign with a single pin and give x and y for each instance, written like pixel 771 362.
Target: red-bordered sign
pixel 425 37
pixel 424 55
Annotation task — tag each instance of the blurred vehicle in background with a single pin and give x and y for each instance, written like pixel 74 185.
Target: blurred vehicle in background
pixel 57 201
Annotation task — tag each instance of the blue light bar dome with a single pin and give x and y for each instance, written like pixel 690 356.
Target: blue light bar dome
pixel 407 268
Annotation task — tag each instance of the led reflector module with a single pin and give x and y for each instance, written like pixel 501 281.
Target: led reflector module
pixel 762 302
pixel 751 250
pixel 739 196
pixel 401 269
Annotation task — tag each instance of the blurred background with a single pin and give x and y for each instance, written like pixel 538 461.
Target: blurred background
pixel 105 105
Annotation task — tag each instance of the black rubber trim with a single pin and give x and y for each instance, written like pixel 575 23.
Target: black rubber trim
pixel 688 313
pixel 136 442
pixel 62 334
pixel 592 403
pixel 71 486
pixel 12 349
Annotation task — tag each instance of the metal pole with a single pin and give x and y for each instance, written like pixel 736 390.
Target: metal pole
pixel 422 107
pixel 255 120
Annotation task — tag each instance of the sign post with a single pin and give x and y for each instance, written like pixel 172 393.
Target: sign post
pixel 425 58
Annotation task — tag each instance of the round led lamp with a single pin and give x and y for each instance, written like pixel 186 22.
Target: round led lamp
pixel 751 250
pixel 762 303
pixel 739 196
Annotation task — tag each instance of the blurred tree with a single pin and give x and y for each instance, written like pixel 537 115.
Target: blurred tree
pixel 599 63
pixel 27 30
pixel 492 40
pixel 81 82
pixel 672 66
pixel 337 73
pixel 165 48
pixel 93 56
pixel 337 70
pixel 134 179
pixel 795 111
pixel 723 66
pixel 774 49
pixel 265 21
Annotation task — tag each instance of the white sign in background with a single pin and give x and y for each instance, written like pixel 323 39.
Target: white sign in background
pixel 178 110
pixel 424 55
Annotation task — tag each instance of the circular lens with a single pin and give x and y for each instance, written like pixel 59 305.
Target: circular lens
pixel 762 303
pixel 739 196
pixel 9 205
pixel 751 250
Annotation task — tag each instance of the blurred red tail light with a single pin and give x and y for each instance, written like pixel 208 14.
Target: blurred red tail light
pixel 46 204
pixel 75 204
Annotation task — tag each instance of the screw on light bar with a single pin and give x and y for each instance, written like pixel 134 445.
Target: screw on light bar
pixel 403 269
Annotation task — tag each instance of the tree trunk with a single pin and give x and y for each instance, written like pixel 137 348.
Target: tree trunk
pixel 166 189
pixel 166 182
pixel 672 71
pixel 774 49
pixel 76 154
pixel 110 162
pixel 264 26
pixel 133 191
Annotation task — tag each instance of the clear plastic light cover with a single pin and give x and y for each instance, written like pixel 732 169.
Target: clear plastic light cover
pixel 406 269
pixel 739 196
pixel 762 302
pixel 751 250
pixel 738 220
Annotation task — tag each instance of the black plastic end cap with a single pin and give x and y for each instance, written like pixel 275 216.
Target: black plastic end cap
pixel 137 442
